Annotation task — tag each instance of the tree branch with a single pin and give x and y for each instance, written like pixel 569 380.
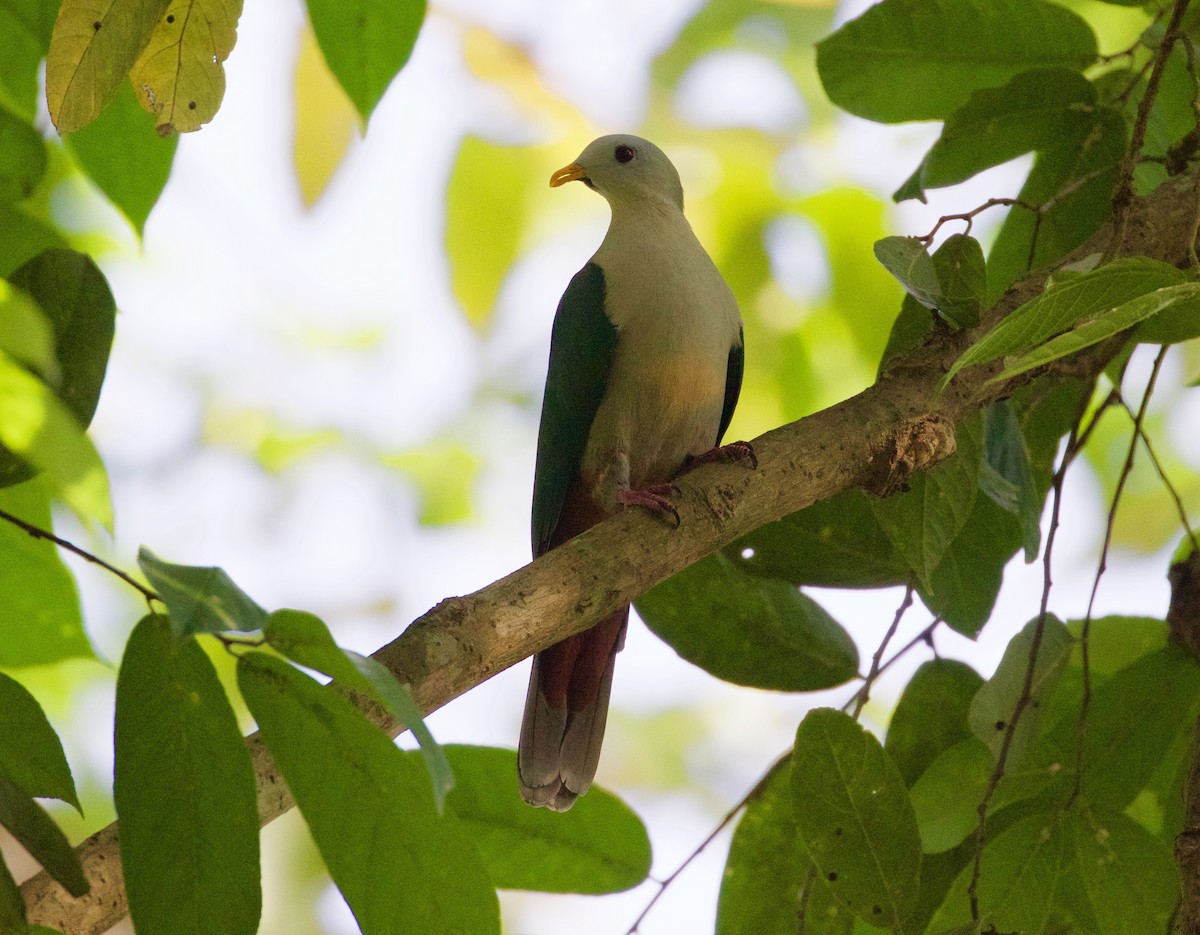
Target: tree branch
pixel 873 441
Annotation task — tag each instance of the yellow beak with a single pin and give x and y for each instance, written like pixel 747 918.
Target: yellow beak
pixel 571 173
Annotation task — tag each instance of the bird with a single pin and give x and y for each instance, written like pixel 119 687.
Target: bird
pixel 645 369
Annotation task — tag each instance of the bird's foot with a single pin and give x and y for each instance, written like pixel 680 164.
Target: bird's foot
pixel 734 451
pixel 656 498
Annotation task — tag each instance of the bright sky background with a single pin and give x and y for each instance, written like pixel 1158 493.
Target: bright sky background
pixel 242 306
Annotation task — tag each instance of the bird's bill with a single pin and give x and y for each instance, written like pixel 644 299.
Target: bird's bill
pixel 572 173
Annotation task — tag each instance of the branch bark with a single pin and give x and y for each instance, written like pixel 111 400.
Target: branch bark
pixel 874 440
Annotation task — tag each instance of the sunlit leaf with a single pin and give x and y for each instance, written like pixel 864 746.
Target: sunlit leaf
pixel 1185 298
pixel 400 866
pixel 201 599
pixel 305 639
pixel 993 706
pixel 325 121
pixel 366 42
pixel 749 630
pixel 445 474
pixel 75 298
pixel 599 846
pixel 123 135
pixel 36 831
pixel 25 333
pixel 1067 302
pixel 31 755
pixel 854 817
pixel 92 48
pixel 40 429
pixel 40 620
pixel 921 59
pixel 22 157
pixel 931 715
pixel 184 791
pixel 180 76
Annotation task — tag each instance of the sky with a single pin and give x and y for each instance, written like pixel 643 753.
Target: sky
pixel 243 311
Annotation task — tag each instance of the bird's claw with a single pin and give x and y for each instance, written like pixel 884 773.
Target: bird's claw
pixel 734 451
pixel 656 498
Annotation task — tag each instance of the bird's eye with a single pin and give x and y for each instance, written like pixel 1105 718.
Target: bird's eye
pixel 623 153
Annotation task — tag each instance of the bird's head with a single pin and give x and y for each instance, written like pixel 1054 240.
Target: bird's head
pixel 624 169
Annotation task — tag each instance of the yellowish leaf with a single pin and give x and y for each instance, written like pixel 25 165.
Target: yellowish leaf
pixel 92 47
pixel 180 76
pixel 325 121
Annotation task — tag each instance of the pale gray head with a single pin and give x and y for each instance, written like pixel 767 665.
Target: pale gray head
pixel 624 169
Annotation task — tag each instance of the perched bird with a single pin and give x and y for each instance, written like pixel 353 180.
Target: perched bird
pixel 645 370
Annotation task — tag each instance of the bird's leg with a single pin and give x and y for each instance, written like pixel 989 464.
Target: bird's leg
pixel 734 451
pixel 654 497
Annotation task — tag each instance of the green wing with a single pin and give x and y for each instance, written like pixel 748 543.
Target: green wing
pixel 582 343
pixel 733 383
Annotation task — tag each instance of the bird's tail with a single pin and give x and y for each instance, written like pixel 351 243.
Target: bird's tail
pixel 565 712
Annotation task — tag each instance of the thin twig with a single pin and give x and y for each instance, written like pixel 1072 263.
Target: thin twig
pixel 721 826
pixel 38 533
pixel 860 699
pixel 1085 700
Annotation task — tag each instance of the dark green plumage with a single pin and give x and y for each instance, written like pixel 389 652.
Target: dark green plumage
pixel 582 343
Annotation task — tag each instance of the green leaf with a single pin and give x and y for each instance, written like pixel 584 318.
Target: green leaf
pixel 23 237
pixel 1022 871
pixel 1006 473
pixel 31 755
pixel 38 834
pixel 921 59
pixel 305 639
pixel 12 905
pixel 767 867
pixel 366 42
pixel 200 599
pixel 22 157
pixel 40 620
pixel 1103 326
pixel 993 705
pixel 1065 302
pixel 1032 111
pixel 854 816
pixel 74 297
pixel 962 275
pixel 907 260
pixel 121 135
pixel 923 521
pixel 1128 882
pixel 486 202
pixel 184 791
pixel 747 630
pixel 835 543
pixel 25 333
pixel 36 426
pixel 946 797
pixel 931 715
pixel 401 867
pixel 24 36
pixel 1134 718
pixel 92 48
pixel 179 76
pixel 910 330
pixel 1072 186
pixel 599 846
